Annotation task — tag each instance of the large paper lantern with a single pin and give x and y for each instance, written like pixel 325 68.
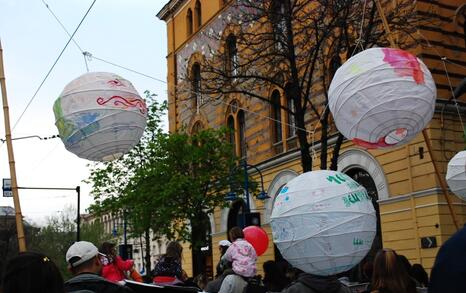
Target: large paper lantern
pixel 382 97
pixel 456 175
pixel 258 239
pixel 100 116
pixel 323 222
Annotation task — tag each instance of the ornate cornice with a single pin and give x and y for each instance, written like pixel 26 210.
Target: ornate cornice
pixel 169 9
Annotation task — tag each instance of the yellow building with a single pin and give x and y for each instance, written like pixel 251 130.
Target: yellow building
pixel 402 181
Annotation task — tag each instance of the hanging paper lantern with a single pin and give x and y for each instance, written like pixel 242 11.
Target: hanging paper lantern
pixel 323 222
pixel 258 239
pixel 100 116
pixel 456 175
pixel 382 97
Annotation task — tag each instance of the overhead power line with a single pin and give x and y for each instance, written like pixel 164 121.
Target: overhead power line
pixel 53 66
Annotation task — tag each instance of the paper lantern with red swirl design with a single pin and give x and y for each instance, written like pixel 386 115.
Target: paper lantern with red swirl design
pixel 382 97
pixel 100 116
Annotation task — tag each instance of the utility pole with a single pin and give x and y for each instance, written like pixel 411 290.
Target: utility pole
pixel 11 159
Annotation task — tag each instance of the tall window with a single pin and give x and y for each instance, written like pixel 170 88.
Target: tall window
pixel 276 116
pixel 196 84
pixel 189 22
pixel 291 118
pixel 236 124
pixel 231 132
pixel 279 24
pixel 231 55
pixel 242 135
pixel 198 14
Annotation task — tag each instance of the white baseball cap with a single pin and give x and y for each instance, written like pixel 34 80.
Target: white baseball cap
pixel 224 243
pixel 82 251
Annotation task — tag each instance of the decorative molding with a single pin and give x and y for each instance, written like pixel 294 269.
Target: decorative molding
pixel 280 179
pixel 358 158
pixel 420 193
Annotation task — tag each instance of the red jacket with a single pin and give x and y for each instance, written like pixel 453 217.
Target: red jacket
pixel 114 271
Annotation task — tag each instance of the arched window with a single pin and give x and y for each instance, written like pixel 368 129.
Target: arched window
pixel 236 124
pixel 276 116
pixel 189 22
pixel 197 127
pixel 196 85
pixel 231 55
pixel 198 14
pixel 242 135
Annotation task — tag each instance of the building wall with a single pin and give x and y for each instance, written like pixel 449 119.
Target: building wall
pixel 412 204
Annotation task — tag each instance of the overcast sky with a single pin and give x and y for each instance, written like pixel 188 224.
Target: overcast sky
pixel 125 32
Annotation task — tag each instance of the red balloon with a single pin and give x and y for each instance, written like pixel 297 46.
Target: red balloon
pixel 257 237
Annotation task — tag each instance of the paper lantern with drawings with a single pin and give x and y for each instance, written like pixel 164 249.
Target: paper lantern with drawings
pixel 323 222
pixel 456 175
pixel 382 97
pixel 100 116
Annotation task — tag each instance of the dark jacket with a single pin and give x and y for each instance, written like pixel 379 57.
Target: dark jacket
pixel 307 283
pixel 449 271
pixel 87 282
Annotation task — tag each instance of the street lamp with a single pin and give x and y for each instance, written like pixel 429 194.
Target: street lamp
pixel 231 195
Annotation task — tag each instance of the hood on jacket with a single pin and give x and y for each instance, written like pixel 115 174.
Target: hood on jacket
pixel 319 283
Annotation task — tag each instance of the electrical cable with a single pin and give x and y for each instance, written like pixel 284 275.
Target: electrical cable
pixel 53 66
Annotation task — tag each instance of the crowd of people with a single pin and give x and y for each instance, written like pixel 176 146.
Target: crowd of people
pixel 102 270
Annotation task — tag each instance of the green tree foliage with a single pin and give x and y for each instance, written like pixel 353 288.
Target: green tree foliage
pixel 167 184
pixel 59 233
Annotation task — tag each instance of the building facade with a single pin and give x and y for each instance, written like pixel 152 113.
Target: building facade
pixel 401 181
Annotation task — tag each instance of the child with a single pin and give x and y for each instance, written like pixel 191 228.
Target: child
pixel 241 254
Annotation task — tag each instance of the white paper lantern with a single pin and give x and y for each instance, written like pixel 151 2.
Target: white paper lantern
pixel 100 116
pixel 456 175
pixel 382 97
pixel 323 222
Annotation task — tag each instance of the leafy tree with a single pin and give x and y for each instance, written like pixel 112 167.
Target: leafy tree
pixel 168 184
pixel 296 46
pixel 59 233
pixel 114 184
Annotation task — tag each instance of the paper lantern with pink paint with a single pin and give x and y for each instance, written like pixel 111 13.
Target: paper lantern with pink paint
pixel 382 97
pixel 100 116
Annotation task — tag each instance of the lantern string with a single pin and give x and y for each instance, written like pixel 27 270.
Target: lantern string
pixel 67 32
pixel 359 41
pixel 90 56
pixel 453 94
pixel 53 66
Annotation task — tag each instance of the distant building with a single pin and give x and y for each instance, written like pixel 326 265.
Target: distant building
pixel 113 224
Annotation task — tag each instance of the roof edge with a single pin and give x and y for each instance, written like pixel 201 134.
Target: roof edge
pixel 169 9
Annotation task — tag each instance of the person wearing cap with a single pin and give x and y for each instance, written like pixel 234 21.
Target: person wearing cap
pixel 223 269
pixel 84 263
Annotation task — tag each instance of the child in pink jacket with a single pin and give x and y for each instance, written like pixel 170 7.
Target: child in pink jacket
pixel 114 267
pixel 241 254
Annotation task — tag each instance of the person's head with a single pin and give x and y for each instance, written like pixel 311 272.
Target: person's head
pixel 389 273
pixel 174 250
pixel 223 246
pixel 83 256
pixel 404 262
pixel 236 233
pixel 108 249
pixel 32 272
pixel 418 273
